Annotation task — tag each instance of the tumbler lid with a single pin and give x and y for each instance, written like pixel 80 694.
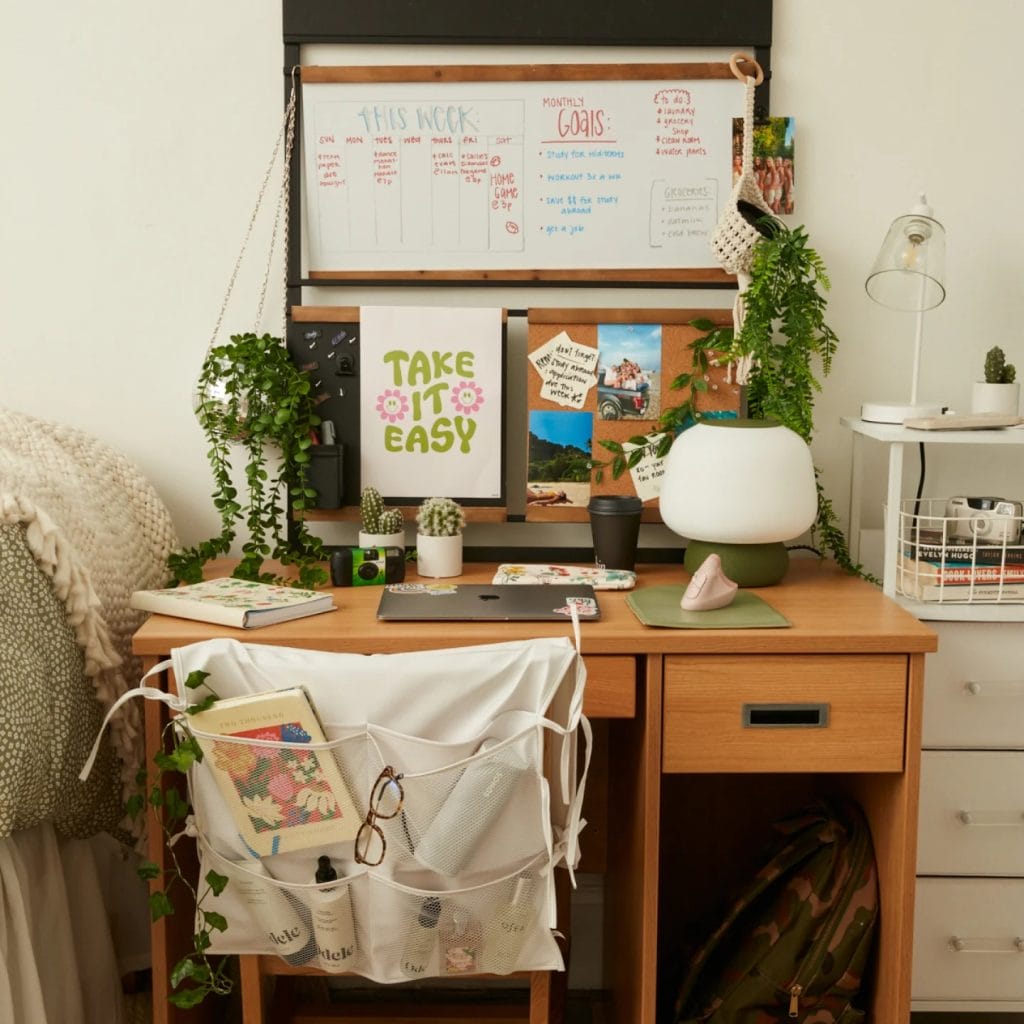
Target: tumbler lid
pixel 614 504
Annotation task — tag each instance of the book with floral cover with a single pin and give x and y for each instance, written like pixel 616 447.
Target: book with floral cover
pixel 283 797
pixel 230 602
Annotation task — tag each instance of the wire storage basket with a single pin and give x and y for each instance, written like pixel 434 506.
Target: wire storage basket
pixel 960 550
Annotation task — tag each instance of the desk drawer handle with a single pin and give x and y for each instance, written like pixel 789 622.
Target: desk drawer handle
pixel 962 944
pixel 785 716
pixel 1011 688
pixel 966 817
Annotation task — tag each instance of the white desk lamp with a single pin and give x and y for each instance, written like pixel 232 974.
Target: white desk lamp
pixel 908 275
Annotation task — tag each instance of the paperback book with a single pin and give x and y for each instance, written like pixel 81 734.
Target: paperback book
pixel 947 572
pixel 230 602
pixel 282 797
pixel 966 554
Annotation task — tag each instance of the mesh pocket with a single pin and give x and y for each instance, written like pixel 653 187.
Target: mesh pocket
pixel 476 815
pixel 496 928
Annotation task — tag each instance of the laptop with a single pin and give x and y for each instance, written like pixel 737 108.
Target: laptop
pixel 486 602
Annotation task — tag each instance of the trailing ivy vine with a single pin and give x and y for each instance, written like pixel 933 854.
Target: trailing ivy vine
pixel 253 397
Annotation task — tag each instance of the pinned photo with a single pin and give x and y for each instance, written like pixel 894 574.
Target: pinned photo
pixel 559 458
pixel 629 371
pixel 774 167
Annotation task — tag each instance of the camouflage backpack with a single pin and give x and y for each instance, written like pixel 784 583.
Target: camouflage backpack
pixel 796 944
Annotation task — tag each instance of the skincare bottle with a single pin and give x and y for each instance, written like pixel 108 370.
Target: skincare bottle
pixel 274 913
pixel 460 942
pixel 472 807
pixel 418 954
pixel 506 932
pixel 334 927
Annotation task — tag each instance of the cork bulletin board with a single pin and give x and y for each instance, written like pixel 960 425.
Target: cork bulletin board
pixel 604 374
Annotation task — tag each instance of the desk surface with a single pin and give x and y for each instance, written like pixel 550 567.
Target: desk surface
pixel 830 611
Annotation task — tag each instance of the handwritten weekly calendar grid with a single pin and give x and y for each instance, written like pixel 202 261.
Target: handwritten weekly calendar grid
pixel 516 174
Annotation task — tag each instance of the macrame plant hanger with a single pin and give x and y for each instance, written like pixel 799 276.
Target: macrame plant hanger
pixel 738 231
pixel 211 396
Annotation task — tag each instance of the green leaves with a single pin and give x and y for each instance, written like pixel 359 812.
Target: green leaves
pixel 254 398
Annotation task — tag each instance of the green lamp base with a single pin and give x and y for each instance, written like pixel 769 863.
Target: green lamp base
pixel 749 565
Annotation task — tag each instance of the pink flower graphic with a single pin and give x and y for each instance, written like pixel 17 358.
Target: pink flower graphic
pixel 392 405
pixel 281 788
pixel 467 396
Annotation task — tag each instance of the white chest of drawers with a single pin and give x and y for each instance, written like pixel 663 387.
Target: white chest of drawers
pixel 969 919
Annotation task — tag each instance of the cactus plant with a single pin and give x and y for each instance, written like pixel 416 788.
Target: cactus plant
pixel 375 517
pixel 997 369
pixel 440 517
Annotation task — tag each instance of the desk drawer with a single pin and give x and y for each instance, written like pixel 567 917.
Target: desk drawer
pixel 986 915
pixel 861 725
pixel 611 686
pixel 974 686
pixel 972 814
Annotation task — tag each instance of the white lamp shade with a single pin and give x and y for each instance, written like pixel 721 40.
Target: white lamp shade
pixel 910 269
pixel 739 482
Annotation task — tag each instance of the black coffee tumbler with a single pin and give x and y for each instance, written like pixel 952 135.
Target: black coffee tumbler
pixel 615 526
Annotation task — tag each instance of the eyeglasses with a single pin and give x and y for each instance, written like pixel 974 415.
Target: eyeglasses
pixel 385 803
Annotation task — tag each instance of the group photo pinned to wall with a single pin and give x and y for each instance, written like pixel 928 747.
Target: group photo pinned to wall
pixel 774 160
pixel 605 375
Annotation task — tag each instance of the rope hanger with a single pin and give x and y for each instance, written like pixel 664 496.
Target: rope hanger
pixel 744 58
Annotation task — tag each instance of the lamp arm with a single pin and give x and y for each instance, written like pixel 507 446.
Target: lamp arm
pixel 918 336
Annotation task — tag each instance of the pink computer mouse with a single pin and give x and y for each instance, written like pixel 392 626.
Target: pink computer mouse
pixel 709 587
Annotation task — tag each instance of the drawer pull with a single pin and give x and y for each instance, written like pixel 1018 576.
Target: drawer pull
pixel 979 689
pixel 990 817
pixel 961 944
pixel 785 716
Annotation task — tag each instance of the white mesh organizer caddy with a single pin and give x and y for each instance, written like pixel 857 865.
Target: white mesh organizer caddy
pixel 464 768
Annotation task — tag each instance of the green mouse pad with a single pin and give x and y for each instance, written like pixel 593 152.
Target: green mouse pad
pixel 659 606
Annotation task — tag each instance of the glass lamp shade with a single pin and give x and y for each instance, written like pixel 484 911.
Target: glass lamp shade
pixel 910 269
pixel 739 488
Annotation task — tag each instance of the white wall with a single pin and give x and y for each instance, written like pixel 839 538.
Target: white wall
pixel 136 135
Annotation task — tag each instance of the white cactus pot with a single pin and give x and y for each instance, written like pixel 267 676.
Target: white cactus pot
pixel 382 540
pixel 438 556
pixel 999 398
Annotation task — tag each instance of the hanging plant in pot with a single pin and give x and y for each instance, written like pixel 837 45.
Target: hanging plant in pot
pixel 439 538
pixel 252 398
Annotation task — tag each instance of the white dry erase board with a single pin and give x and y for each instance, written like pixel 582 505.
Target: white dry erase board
pixel 574 172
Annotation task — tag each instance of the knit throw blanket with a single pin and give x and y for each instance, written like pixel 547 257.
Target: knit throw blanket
pixel 96 530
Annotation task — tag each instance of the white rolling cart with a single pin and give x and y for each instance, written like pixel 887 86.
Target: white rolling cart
pixel 969 908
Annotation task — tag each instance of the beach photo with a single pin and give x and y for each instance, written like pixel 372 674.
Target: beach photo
pixel 559 458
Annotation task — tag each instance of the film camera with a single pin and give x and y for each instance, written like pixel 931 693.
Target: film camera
pixel 991 520
pixel 367 567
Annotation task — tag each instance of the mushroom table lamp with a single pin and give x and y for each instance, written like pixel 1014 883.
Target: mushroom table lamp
pixel 739 488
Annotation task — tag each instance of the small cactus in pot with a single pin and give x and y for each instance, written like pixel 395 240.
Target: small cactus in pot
pixel 439 540
pixel 440 517
pixel 999 392
pixel 381 527
pixel 997 369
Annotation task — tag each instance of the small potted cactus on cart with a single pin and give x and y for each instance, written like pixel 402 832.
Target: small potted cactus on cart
pixel 999 392
pixel 380 527
pixel 439 538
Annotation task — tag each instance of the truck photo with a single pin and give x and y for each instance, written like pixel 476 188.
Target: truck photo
pixel 615 403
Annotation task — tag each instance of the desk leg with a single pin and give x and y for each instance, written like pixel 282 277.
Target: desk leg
pixel 631 888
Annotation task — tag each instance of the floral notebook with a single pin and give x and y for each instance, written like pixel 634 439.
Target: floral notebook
pixel 282 797
pixel 598 578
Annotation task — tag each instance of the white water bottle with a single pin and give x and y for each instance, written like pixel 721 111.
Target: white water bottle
pixel 473 805
pixel 274 913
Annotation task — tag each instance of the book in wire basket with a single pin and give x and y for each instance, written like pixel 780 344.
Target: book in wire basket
pixel 282 795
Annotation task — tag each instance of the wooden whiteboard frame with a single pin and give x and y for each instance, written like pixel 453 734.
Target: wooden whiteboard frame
pixel 419 74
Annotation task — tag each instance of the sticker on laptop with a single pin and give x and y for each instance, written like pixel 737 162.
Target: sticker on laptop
pixel 433 589
pixel 586 607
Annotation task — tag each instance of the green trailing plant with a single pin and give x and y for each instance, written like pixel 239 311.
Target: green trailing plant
pixel 784 338
pixel 253 398
pixel 374 517
pixel 997 369
pixel 440 517
pixel 195 975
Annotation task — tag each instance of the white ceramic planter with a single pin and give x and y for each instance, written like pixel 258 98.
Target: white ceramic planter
pixel 382 540
pixel 998 398
pixel 438 556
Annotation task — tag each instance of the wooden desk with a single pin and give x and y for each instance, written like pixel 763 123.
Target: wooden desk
pixel 674 739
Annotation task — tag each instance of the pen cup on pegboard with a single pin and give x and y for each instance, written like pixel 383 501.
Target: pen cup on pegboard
pixel 325 474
